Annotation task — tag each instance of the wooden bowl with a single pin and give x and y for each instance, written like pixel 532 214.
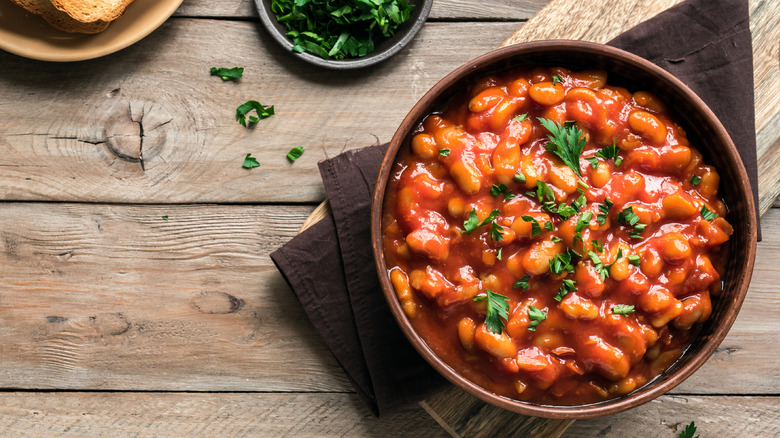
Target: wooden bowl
pixel 383 49
pixel 712 140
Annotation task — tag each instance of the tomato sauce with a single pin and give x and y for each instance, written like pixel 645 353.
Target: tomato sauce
pixel 618 247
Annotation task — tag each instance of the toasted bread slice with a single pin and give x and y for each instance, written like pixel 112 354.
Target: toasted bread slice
pixel 88 11
pixel 58 19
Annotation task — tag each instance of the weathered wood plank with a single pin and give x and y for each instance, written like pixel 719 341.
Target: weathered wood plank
pixel 667 416
pixel 442 9
pixel 74 134
pixel 189 415
pixel 113 297
pixel 602 21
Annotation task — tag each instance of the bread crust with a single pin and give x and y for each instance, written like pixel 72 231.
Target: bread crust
pixel 59 19
pixel 88 11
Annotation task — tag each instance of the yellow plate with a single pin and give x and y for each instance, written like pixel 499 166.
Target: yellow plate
pixel 29 35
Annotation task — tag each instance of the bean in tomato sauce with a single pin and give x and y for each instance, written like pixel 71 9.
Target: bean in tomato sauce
pixel 553 238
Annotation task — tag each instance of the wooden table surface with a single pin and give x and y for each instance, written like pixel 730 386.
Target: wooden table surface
pixel 116 322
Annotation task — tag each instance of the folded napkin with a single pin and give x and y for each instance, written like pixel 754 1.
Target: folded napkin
pixel 330 266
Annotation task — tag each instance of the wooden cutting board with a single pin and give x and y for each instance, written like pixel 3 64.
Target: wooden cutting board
pixel 463 415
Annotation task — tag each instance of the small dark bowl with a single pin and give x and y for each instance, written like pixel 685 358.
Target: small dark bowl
pixel 701 124
pixel 383 49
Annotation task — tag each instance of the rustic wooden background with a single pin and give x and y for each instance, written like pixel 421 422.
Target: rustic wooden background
pixel 114 321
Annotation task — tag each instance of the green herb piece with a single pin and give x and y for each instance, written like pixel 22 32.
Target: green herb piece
pixel 580 201
pixel 566 142
pixel 622 309
pixel 498 254
pixel 549 226
pixel 165 218
pixel 556 239
pixel 227 74
pixel 497 308
pixel 245 108
pixel 582 184
pixel 556 80
pixel 695 180
pixel 472 222
pixel 598 245
pixel 594 162
pixel 535 228
pixel 627 217
pixel 566 287
pixel 496 231
pixel 582 223
pixel 707 214
pixel 536 316
pixel 602 270
pixel 522 283
pixel 519 178
pixel 501 189
pixel 562 262
pixel 295 153
pixel 689 431
pixel 250 162
pixel 444 152
pixel 601 218
pixel 520 118
pixel 544 192
pixel 634 259
pixel 609 152
pixel 339 29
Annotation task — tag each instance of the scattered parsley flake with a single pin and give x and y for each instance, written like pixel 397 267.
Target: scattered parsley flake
pixel 582 223
pixel 556 239
pixel 520 118
pixel 227 74
pixel 627 217
pixel 498 254
pixel 444 152
pixel 536 316
pixel 695 180
pixel 622 309
pixel 609 152
pixel 556 80
pixel 535 228
pixel 566 287
pixel 497 309
pixel 250 162
pixel 562 262
pixel 601 218
pixel 519 178
pixel 522 283
pixel 472 222
pixel 549 226
pixel 594 162
pixel 295 153
pixel 634 259
pixel 707 214
pixel 165 218
pixel 501 189
pixel 598 245
pixel 496 231
pixel 566 141
pixel 245 108
pixel 602 270
pixel 689 431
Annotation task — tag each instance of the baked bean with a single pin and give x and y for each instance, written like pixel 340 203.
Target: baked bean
pixel 648 126
pixel 498 345
pixel 519 88
pixel 466 176
pixel 556 113
pixel 536 260
pixel 710 180
pixel 679 206
pixel 589 282
pixel 623 386
pixel 545 93
pixel 563 178
pixel 577 307
pixel 424 145
pixel 600 176
pixel 655 300
pixel 650 263
pixel 506 156
pixel 456 207
pixel 593 78
pixel 695 309
pixel 548 341
pixel 649 101
pixel 599 356
pixel 467 328
pixel 675 248
pixel 662 318
pixel 404 292
pixel 532 359
pixel 429 243
pixel 486 99
pixel 676 159
pixel 630 142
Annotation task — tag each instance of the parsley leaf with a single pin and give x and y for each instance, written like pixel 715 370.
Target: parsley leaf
pixel 522 283
pixel 496 231
pixel 562 262
pixel 601 218
pixel 602 270
pixel 566 287
pixel 250 162
pixel 598 245
pixel 556 239
pixel 609 152
pixel 165 218
pixel 566 142
pixel 622 309
pixel 536 316
pixel 245 108
pixel 295 153
pixel 695 180
pixel 472 222
pixel 707 214
pixel 594 162
pixel 497 308
pixel 227 74
pixel 519 178
pixel 627 217
pixel 498 254
pixel 444 152
pixel 520 118
pixel 582 223
pixel 634 259
pixel 500 189
pixel 535 228
pixel 689 431
pixel 556 80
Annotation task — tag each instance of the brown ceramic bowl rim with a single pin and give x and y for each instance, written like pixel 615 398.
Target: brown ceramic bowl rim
pixel 495 61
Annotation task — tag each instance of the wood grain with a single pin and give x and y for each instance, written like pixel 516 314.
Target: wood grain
pixel 602 21
pixel 113 297
pixel 503 10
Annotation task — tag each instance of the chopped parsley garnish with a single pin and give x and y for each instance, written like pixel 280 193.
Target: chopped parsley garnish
pixel 535 228
pixel 444 152
pixel 556 80
pixel 472 222
pixel 245 108
pixel 594 162
pixel 627 217
pixel 602 270
pixel 496 231
pixel 519 178
pixel 544 192
pixel 695 180
pixel 536 316
pixel 566 141
pixel 227 74
pixel 295 153
pixel 501 189
pixel 498 254
pixel 609 152
pixel 598 245
pixel 522 283
pixel 707 214
pixel 520 118
pixel 582 184
pixel 634 259
pixel 622 309
pixel 562 262
pixel 250 162
pixel 582 223
pixel 339 29
pixel 566 287
pixel 549 226
pixel 165 218
pixel 497 308
pixel 601 218
pixel 556 239
pixel 689 431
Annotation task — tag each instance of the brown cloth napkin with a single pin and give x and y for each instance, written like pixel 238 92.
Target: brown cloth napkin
pixel 330 267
